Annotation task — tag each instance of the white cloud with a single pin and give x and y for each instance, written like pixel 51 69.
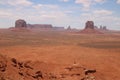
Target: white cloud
pixel 39 6
pixel 16 2
pixel 97 14
pixel 118 1
pixel 49 6
pixel 100 1
pixel 102 12
pixel 87 3
pixel 4 13
pixel 7 13
pixel 64 0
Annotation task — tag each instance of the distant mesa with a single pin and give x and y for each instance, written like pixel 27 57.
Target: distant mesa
pixel 20 24
pixel 69 28
pixel 39 26
pixel 58 28
pixel 44 27
pixel 90 28
pixel 89 25
pixel 103 28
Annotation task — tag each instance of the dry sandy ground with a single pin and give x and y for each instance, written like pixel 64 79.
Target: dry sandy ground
pixel 99 52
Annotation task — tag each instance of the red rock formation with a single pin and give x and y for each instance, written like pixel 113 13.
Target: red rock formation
pixel 69 28
pixel 20 26
pixel 13 69
pixel 20 23
pixel 90 28
pixel 89 25
pixel 39 26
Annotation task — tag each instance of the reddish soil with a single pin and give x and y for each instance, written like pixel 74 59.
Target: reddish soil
pixel 91 31
pixel 59 56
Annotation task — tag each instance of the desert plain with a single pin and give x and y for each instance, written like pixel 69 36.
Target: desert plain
pixel 59 55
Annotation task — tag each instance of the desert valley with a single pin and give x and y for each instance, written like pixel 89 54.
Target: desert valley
pixel 41 52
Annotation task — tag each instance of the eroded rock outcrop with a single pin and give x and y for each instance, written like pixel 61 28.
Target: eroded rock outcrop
pixel 13 69
pixel 20 24
pixel 90 28
pixel 89 25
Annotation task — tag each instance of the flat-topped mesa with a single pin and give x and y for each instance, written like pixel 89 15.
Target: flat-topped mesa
pixel 40 26
pixel 89 25
pixel 20 23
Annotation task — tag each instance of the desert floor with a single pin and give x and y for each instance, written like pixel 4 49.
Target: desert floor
pixel 94 51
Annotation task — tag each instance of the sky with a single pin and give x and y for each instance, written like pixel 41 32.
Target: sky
pixel 62 13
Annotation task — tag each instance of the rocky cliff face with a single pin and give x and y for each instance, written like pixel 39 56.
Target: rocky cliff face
pixel 20 23
pixel 90 28
pixel 89 25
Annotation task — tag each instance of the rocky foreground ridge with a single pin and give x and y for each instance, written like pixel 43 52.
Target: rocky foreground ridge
pixel 13 69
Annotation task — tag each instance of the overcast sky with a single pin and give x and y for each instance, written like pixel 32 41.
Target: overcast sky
pixel 61 12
